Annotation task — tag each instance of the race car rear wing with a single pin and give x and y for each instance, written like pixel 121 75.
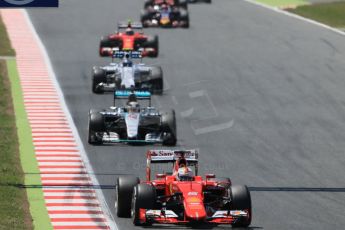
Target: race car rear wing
pixel 159 156
pixel 132 95
pixel 170 156
pixel 133 25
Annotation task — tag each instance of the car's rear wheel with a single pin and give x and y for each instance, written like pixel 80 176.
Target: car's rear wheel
pixel 123 194
pixel 152 42
pixel 98 76
pixel 240 200
pixel 169 127
pixel 143 197
pixel 144 17
pixel 156 77
pixel 105 42
pixel 184 17
pixel 183 4
pixel 108 43
pixel 147 3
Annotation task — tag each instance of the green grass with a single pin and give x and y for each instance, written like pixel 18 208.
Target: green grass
pixel 22 204
pixel 5 45
pixel 14 207
pixel 283 3
pixel 332 14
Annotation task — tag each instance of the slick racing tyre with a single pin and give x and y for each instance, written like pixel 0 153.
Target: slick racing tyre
pixel 184 17
pixel 240 200
pixel 96 124
pixel 152 42
pixel 144 196
pixel 156 79
pixel 148 3
pixel 145 16
pixel 169 127
pixel 123 194
pixel 98 76
pixel 107 43
pixel 183 4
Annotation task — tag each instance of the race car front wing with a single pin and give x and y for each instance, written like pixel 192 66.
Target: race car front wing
pixel 170 217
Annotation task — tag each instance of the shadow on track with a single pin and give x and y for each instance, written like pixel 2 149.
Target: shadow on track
pixel 295 189
pixel 252 189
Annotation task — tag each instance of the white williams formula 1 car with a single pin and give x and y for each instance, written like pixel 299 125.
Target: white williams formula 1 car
pixel 127 75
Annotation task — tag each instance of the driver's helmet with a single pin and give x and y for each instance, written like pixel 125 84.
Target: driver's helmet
pixel 127 63
pixel 133 107
pixel 129 31
pixel 184 173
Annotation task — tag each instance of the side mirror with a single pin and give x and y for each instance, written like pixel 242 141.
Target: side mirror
pixel 160 176
pixel 210 176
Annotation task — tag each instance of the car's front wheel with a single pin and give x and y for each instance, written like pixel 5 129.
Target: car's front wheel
pixel 96 125
pixel 144 197
pixel 240 200
pixel 123 194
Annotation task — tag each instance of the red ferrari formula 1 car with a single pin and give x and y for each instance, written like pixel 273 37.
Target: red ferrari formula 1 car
pixel 129 37
pixel 176 196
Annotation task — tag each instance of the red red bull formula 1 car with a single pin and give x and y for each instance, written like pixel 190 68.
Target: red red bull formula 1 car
pixel 172 194
pixel 180 3
pixel 165 16
pixel 129 37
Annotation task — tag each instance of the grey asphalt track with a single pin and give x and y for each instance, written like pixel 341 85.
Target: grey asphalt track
pixel 259 93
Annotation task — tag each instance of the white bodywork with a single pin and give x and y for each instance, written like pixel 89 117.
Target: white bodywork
pixel 127 77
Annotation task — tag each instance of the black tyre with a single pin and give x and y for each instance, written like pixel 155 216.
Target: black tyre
pixel 106 42
pixel 240 200
pixel 144 196
pixel 184 16
pixel 144 16
pixel 168 123
pixel 156 77
pixel 183 3
pixel 152 42
pixel 147 3
pixel 123 194
pixel 96 124
pixel 98 76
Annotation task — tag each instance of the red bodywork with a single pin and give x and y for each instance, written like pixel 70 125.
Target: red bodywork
pixel 129 43
pixel 193 198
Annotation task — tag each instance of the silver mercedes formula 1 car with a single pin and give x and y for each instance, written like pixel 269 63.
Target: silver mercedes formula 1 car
pixel 127 75
pixel 132 123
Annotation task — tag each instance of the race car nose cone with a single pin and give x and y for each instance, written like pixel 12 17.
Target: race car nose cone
pixel 195 209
